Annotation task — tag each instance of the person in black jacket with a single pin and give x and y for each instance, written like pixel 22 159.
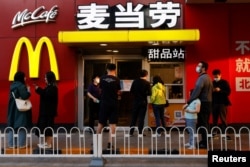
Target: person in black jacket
pixel 221 92
pixel 140 89
pixel 47 108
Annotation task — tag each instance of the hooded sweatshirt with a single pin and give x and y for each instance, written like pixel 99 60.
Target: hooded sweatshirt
pixel 158 94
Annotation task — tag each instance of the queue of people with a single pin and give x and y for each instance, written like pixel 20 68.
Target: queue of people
pixel 206 97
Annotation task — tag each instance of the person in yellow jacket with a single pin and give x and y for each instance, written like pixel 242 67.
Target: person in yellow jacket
pixel 158 100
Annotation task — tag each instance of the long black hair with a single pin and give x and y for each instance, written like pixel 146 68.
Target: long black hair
pixel 157 79
pixel 19 76
pixel 51 78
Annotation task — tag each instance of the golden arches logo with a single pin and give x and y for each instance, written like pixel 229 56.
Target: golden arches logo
pixel 33 57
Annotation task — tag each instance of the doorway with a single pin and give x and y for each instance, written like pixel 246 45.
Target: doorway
pixel 127 71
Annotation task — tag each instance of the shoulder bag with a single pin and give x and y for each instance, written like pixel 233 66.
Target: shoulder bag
pixel 22 105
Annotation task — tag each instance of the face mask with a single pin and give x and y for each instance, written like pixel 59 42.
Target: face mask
pixel 198 69
pixel 216 79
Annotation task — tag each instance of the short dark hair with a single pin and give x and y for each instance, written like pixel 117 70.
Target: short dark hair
pixel 204 65
pixel 111 66
pixel 143 73
pixel 216 72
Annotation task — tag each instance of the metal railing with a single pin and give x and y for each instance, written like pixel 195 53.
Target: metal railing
pixel 84 143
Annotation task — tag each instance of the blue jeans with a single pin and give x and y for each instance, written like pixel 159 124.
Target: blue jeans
pixel 159 116
pixel 13 142
pixel 191 127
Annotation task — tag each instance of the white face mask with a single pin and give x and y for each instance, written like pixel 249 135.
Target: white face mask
pixel 198 69
pixel 216 79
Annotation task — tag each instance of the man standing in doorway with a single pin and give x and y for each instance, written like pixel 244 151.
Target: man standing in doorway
pixel 203 90
pixel 221 91
pixel 140 89
pixel 110 89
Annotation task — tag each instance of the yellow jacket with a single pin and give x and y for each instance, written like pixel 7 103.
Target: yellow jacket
pixel 158 95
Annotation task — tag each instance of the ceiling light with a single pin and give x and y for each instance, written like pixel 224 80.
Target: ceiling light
pixel 115 51
pixel 103 44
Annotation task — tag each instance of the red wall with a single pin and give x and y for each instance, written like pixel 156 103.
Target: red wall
pixel 220 26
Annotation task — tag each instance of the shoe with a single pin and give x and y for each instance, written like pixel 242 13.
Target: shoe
pixel 106 130
pixel 191 147
pixel 45 145
pixel 202 146
pixel 12 147
pixel 110 147
pixel 228 138
pixel 187 145
pixel 21 147
pixel 215 136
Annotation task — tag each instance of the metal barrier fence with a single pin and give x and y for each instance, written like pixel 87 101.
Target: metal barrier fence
pixel 84 143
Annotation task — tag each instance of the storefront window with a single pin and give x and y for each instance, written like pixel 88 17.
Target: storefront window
pixel 172 76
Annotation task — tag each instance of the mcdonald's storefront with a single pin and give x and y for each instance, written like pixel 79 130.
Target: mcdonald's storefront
pixel 77 38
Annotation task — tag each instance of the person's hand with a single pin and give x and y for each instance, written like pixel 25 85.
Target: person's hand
pixel 217 89
pixel 184 107
pixel 35 85
pixel 28 88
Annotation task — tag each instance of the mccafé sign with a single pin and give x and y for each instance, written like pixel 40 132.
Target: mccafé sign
pixel 33 57
pixel 25 17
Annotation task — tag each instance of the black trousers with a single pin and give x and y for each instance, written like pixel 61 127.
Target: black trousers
pixel 203 121
pixel 138 114
pixel 93 113
pixel 220 111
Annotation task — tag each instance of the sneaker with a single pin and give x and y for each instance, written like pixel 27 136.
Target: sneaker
pixel 12 147
pixel 158 134
pixel 21 147
pixel 45 145
pixel 215 136
pixel 187 145
pixel 228 138
pixel 191 147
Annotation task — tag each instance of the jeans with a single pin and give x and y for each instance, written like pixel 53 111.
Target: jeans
pixel 191 127
pixel 20 141
pixel 159 117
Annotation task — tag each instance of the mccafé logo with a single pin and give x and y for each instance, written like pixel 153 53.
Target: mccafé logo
pixel 33 57
pixel 38 15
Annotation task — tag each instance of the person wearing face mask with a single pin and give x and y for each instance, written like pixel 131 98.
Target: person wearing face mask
pixel 203 90
pixel 94 93
pixel 221 92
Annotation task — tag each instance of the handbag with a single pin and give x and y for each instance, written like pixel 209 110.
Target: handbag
pixel 167 103
pixel 22 105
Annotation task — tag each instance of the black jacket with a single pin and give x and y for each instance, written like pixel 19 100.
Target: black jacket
pixel 48 100
pixel 221 97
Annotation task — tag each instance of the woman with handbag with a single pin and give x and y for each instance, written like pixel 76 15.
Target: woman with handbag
pixel 158 100
pixel 18 120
